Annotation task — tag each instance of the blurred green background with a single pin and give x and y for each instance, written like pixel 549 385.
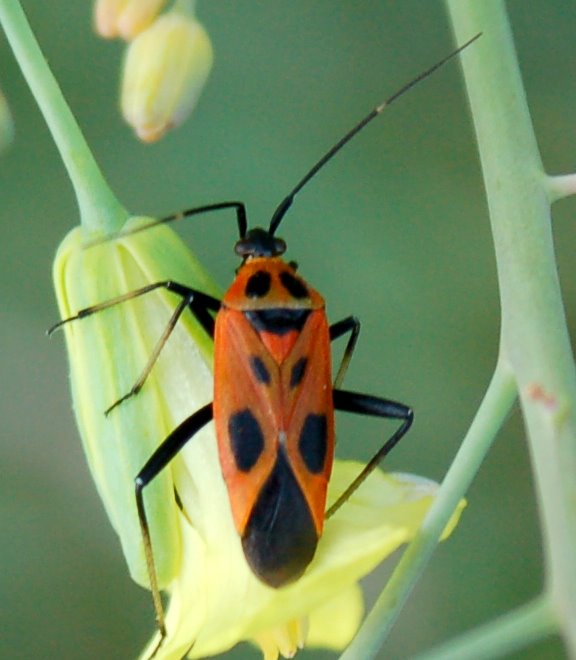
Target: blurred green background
pixel 395 230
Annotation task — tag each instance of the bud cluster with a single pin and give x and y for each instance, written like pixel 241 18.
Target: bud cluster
pixel 167 62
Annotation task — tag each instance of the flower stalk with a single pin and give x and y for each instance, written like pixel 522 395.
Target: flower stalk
pixel 493 410
pixel 535 355
pixel 534 336
pixel 100 210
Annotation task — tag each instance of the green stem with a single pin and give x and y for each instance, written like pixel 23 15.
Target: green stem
pixel 561 186
pixel 509 633
pixel 534 338
pixel 493 410
pixel 100 210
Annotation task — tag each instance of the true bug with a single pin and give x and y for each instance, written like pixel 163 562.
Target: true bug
pixel 274 398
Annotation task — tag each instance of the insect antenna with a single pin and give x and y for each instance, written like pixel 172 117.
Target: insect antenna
pixel 239 208
pixel 286 203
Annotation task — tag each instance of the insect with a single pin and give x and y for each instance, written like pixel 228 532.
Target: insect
pixel 274 396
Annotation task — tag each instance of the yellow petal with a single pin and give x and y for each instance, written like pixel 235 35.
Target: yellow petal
pixel 216 601
pixel 335 622
pixel 285 640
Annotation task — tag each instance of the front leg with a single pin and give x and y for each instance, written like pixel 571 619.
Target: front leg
pixel 200 304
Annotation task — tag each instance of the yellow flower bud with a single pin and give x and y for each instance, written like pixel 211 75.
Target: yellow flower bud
pixel 6 124
pixel 124 18
pixel 165 69
pixel 107 352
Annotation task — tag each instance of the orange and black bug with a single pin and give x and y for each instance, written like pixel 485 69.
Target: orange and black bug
pixel 274 397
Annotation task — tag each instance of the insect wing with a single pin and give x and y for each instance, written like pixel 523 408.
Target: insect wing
pixel 308 413
pixel 263 409
pixel 244 408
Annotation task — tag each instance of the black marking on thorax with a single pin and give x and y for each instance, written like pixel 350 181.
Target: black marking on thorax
pixel 278 321
pixel 295 287
pixel 258 284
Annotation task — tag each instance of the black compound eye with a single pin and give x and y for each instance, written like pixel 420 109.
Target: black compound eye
pixel 293 285
pixel 246 439
pixel 258 285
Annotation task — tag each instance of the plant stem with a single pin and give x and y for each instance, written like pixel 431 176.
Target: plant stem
pixel 534 337
pixel 491 414
pixel 511 632
pixel 100 210
pixel 561 186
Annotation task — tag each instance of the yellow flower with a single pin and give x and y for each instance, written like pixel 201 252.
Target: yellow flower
pixel 165 69
pixel 216 601
pixel 124 18
pixel 107 352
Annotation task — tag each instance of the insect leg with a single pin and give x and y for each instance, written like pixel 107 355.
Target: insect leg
pixel 200 304
pixel 182 305
pixel 350 324
pixel 365 404
pixel 179 289
pixel 154 465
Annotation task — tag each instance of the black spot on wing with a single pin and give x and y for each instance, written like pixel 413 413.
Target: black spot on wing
pixel 298 371
pixel 246 439
pixel 313 442
pixel 278 321
pixel 293 285
pixel 280 538
pixel 259 370
pixel 258 285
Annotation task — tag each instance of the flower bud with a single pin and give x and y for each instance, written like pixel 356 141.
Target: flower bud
pixel 165 69
pixel 124 18
pixel 107 352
